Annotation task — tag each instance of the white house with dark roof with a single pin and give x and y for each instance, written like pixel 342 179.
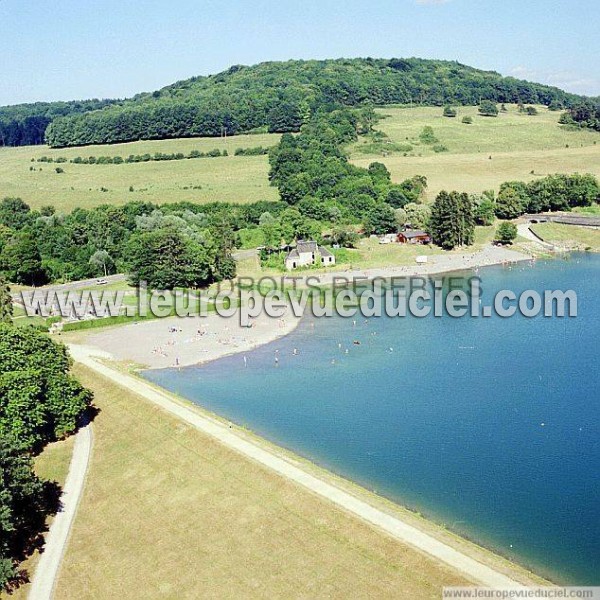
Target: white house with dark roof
pixel 307 253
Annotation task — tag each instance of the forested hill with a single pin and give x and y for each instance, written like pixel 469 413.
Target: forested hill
pixel 280 96
pixel 25 124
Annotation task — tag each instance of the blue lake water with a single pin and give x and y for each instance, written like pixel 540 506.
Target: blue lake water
pixel 449 423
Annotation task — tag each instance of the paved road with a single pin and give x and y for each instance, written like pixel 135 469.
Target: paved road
pixel 245 254
pixel 474 570
pixel 74 285
pixel 524 230
pixel 569 218
pixel 46 572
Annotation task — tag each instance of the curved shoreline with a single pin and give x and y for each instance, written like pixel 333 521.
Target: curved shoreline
pixel 121 340
pixel 182 342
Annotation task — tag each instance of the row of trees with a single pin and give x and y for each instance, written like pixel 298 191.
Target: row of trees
pixel 281 97
pixel 157 156
pixel 551 193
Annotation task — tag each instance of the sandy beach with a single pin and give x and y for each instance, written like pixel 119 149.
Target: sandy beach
pixel 488 256
pixel 179 342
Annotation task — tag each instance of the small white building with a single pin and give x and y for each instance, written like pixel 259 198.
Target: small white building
pixel 388 238
pixel 306 253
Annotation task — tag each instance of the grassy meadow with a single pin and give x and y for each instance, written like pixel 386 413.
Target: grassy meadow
pixel 520 146
pixel 230 178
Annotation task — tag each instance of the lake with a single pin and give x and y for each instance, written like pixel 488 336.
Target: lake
pixel 488 426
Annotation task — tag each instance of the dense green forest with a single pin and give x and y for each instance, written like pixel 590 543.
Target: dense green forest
pixel 276 96
pixel 25 124
pixel 191 244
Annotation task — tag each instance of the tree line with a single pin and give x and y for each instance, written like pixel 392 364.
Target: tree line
pixel 147 157
pixel 40 402
pixel 40 246
pixel 26 124
pixel 282 96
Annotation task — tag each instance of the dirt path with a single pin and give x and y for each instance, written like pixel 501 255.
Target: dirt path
pixel 56 541
pixel 476 571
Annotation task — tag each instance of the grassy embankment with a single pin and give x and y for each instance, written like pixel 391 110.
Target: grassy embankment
pixel 569 236
pixel 171 513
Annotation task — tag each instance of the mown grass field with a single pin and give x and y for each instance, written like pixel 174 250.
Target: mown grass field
pixel 230 178
pixel 520 146
pixel 169 511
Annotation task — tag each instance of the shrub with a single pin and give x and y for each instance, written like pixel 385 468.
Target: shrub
pixel 467 120
pixel 427 136
pixel 487 108
pixel 440 148
pixel 449 111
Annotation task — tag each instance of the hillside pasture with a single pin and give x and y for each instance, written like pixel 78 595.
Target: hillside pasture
pixel 479 156
pixel 510 131
pixel 482 155
pixel 200 180
pixel 474 173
